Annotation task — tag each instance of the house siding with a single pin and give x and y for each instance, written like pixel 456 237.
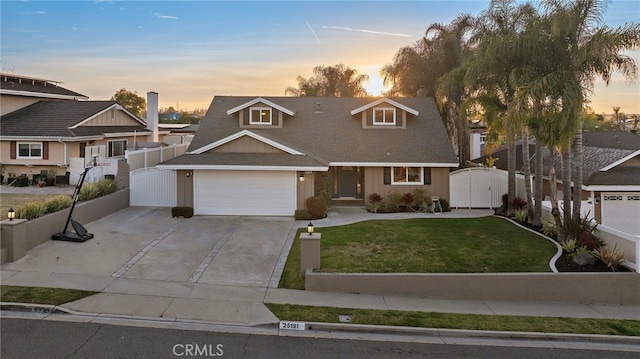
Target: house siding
pixel 374 183
pixel 305 189
pixel 112 118
pixel 247 144
pixel 13 103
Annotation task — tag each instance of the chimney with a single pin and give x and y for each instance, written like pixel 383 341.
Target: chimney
pixel 152 114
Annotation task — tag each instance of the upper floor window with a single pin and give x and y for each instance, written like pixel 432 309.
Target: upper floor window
pixel 259 116
pixel 407 175
pixel 30 150
pixel 384 116
pixel 116 148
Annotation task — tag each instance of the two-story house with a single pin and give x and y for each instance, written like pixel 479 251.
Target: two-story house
pixel 44 127
pixel 267 155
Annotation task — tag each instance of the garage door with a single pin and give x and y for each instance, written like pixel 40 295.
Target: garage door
pixel 621 211
pixel 245 193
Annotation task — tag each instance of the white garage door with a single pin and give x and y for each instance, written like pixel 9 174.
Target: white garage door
pixel 621 211
pixel 245 193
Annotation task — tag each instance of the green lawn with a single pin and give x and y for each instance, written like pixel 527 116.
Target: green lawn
pixel 41 295
pixel 458 321
pixel 429 245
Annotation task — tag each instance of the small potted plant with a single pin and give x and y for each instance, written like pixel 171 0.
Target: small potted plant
pixel 51 178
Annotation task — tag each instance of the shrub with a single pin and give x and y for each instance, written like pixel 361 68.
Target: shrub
pixel 408 198
pixel 302 214
pixel 570 245
pixel 611 257
pixel 31 210
pixel 394 198
pixel 186 212
pixel 88 192
pixel 505 199
pixel 518 204
pixel 58 203
pixel 317 207
pixel 521 215
pixel 589 240
pixel 375 198
pixel 574 227
pixel 549 229
pixel 375 207
pixel 445 205
pixel 106 186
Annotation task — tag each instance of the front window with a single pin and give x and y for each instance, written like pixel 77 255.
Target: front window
pixel 260 116
pixel 116 148
pixel 30 150
pixel 407 175
pixel 384 116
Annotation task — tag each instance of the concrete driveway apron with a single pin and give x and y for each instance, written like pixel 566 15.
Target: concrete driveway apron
pixel 147 243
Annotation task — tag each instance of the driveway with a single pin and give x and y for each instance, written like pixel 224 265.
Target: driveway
pixel 147 243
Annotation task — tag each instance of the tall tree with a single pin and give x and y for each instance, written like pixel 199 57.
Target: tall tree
pixel 333 81
pixel 131 101
pixel 432 67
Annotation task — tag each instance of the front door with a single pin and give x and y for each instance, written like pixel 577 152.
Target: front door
pixel 347 181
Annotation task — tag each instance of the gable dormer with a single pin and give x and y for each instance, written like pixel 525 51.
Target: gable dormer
pixel 260 113
pixel 384 113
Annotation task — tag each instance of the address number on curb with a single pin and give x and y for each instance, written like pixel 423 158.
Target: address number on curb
pixel 292 325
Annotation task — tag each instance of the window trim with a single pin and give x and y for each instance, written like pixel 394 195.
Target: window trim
pixel 110 147
pixel 260 108
pixel 383 123
pixel 18 156
pixel 406 174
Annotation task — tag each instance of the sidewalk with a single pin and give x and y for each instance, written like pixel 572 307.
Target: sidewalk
pixel 243 305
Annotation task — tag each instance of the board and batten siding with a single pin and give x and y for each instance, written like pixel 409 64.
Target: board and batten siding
pixel 112 118
pixel 374 183
pixel 247 144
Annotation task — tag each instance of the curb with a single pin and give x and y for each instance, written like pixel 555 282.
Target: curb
pixel 478 334
pixel 351 328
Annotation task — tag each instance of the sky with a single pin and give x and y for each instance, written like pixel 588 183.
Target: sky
pixel 190 51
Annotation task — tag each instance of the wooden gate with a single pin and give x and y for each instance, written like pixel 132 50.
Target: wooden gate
pixel 153 187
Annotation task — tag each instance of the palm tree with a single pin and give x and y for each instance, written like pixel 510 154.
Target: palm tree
pixel 432 67
pixel 582 48
pixel 494 71
pixel 333 81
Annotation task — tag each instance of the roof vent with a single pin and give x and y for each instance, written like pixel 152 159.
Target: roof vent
pixel 318 110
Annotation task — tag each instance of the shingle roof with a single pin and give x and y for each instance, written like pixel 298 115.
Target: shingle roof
pixel 333 134
pixel 611 139
pixel 13 82
pixel 594 159
pixel 53 119
pixel 627 176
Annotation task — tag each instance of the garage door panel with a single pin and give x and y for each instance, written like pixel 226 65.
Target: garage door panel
pixel 244 192
pixel 621 211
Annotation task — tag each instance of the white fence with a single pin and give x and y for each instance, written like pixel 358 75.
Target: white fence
pixel 627 243
pixel 149 157
pixel 481 187
pixel 153 187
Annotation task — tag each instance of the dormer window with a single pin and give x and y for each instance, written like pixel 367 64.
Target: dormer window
pixel 260 116
pixel 384 116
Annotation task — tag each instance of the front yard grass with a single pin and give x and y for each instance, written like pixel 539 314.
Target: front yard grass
pixel 41 295
pixel 426 245
pixel 458 321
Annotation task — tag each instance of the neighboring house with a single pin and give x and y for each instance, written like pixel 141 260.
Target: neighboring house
pixel 47 128
pixel 611 172
pixel 266 156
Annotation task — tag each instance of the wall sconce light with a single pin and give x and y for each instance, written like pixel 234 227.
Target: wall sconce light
pixel 11 214
pixel 301 177
pixel 188 174
pixel 310 228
